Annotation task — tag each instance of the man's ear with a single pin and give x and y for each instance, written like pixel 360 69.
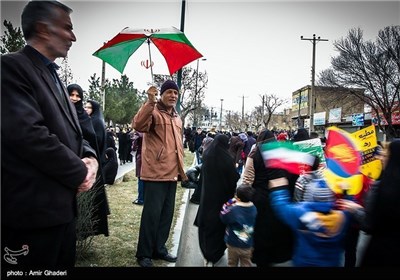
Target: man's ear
pixel 42 29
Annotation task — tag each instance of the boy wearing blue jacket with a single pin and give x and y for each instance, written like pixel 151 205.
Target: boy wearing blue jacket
pixel 239 214
pixel 319 228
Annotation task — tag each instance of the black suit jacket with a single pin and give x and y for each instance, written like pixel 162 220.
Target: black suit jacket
pixel 41 146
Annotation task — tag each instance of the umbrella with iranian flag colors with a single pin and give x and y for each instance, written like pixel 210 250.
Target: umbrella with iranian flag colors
pixel 171 42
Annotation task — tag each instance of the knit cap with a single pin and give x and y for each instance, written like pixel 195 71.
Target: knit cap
pixel 243 136
pixel 318 190
pixel 168 84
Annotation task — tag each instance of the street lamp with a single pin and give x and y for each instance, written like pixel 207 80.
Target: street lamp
pixel 195 93
pixel 220 116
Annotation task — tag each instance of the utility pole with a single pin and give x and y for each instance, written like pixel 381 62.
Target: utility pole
pixel 299 115
pixel 220 116
pixel 314 41
pixel 179 76
pixel 243 108
pixel 103 82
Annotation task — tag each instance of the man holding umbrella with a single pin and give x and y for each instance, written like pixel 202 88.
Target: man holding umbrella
pixel 162 168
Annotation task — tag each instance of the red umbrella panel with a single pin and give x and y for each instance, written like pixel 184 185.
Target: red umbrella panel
pixel 171 42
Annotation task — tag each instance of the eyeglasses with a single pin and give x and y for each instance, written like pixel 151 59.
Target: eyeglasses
pixel 88 107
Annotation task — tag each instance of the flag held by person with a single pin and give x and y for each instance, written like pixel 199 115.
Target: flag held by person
pixel 286 156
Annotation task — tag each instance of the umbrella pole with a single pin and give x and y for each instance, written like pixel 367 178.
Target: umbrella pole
pixel 151 63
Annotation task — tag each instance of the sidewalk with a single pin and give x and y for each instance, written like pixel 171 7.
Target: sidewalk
pixel 123 169
pixel 188 251
pixel 187 248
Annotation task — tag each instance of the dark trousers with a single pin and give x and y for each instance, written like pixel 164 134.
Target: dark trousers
pixel 157 215
pixel 198 157
pixel 53 247
pixel 140 191
pixel 351 241
pixel 197 191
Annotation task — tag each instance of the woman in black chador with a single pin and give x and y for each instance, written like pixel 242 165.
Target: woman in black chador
pixel 273 240
pixel 101 210
pixel 91 125
pixel 219 178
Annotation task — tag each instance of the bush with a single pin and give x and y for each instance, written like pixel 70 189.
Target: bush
pixel 85 224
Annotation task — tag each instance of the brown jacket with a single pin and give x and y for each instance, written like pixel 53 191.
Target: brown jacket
pixel 162 147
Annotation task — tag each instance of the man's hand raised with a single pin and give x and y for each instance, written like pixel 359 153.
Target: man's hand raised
pixel 152 93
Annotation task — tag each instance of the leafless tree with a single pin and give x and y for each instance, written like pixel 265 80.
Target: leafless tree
pixel 270 103
pixel 191 98
pixel 233 121
pixel 373 66
pixel 256 118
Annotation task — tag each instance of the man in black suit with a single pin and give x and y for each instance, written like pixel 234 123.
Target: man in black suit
pixel 45 162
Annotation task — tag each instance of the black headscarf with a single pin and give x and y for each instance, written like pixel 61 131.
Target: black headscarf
pixel 84 119
pixel 219 147
pixel 99 127
pixel 264 137
pixel 78 104
pixel 301 134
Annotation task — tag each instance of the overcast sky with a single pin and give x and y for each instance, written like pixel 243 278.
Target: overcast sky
pixel 252 48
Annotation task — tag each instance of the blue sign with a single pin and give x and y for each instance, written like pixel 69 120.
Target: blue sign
pixel 358 119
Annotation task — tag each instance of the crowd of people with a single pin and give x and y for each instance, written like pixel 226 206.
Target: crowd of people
pixel 56 149
pixel 299 220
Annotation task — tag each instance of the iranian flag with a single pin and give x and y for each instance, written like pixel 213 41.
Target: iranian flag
pixel 285 155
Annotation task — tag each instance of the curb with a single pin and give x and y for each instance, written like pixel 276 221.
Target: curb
pixel 179 229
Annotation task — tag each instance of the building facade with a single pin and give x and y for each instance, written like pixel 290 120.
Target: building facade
pixel 330 106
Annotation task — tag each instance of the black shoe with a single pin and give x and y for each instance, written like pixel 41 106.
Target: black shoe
pixel 145 262
pixel 168 257
pixel 137 202
pixel 194 201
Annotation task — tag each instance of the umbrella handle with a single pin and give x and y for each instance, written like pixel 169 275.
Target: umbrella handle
pixel 151 63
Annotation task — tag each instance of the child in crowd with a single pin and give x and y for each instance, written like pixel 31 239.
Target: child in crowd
pixel 239 214
pixel 319 228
